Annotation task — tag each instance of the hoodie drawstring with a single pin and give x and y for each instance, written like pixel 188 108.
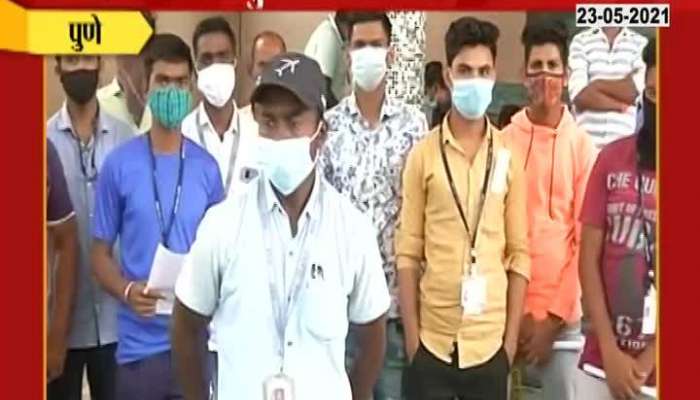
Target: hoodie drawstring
pixel 529 148
pixel 551 176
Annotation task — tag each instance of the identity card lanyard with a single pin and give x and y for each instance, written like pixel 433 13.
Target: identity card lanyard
pixel 282 310
pixel 83 168
pixel 455 195
pixel 234 147
pixel 166 229
pixel 648 252
pixel 650 306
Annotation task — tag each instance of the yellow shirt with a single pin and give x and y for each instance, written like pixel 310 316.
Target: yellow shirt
pixel 430 230
pixel 112 100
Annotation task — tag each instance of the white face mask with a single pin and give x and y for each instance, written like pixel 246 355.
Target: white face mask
pixel 368 67
pixel 216 82
pixel 286 163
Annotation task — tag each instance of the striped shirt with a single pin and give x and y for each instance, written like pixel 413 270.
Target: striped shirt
pixel 591 58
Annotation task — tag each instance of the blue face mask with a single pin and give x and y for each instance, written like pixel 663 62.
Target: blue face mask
pixel 286 163
pixel 472 96
pixel 170 105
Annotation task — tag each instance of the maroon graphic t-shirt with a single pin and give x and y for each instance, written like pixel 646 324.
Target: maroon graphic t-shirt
pixel 612 204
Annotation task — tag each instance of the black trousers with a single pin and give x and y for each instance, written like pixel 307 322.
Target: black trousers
pixel 429 378
pixel 101 371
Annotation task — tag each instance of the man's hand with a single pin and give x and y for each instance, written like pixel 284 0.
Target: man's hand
pixel 370 358
pixel 55 356
pixel 142 300
pixel 412 342
pixel 622 374
pixel 527 326
pixel 538 349
pixel 511 348
pixel 646 362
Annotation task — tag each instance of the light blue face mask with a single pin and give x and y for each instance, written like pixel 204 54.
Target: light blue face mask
pixel 286 163
pixel 170 105
pixel 472 96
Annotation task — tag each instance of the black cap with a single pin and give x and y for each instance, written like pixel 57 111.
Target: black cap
pixel 297 73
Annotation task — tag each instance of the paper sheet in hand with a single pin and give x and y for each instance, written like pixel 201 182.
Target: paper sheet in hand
pixel 164 272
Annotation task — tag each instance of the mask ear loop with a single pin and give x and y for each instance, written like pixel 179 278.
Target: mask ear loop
pixel 314 137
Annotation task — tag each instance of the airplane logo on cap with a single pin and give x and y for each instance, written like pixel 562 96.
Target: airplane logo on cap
pixel 287 64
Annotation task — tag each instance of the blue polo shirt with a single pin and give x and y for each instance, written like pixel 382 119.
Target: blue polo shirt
pixel 125 210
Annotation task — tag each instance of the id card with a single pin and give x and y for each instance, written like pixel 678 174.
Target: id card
pixel 278 387
pixel 473 294
pixel 649 320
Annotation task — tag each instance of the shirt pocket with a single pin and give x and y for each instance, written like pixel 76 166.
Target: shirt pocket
pixel 324 310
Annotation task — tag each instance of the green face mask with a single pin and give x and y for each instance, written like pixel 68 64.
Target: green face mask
pixel 170 105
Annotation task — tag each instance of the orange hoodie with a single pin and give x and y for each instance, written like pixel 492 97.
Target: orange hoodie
pixel 557 163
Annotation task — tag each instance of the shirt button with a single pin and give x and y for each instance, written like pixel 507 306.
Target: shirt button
pixel 291 254
pixel 289 344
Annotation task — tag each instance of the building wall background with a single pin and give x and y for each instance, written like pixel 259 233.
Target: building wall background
pixel 296 27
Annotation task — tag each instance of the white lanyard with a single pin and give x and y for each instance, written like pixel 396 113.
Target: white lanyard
pixel 282 310
pixel 234 146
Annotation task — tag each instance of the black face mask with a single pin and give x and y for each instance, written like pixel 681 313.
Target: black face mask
pixel 80 85
pixel 646 138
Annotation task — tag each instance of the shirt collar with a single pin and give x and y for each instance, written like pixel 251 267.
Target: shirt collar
pixel 565 120
pixel 64 123
pixel 599 31
pixel 338 37
pixel 269 201
pixel 389 108
pixel 203 118
pixel 448 136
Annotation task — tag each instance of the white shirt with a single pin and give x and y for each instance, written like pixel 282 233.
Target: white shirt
pixel 227 276
pixel 325 45
pixel 244 161
pixel 113 100
pixel 591 58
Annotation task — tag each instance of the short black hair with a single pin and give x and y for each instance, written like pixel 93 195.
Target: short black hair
pixel 213 25
pixel 99 59
pixel 433 74
pixel 342 17
pixel 367 16
pixel 166 47
pixel 469 31
pixel 649 54
pixel 545 32
pixel 150 19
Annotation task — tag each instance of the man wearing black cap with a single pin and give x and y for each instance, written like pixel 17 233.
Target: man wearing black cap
pixel 284 268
